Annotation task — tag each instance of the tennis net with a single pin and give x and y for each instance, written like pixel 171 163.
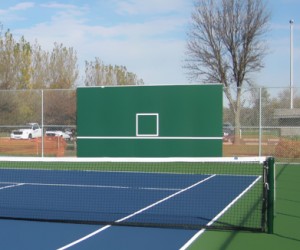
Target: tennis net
pixel 191 193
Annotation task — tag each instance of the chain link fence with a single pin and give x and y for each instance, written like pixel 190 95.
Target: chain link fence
pixel 267 124
pixel 38 122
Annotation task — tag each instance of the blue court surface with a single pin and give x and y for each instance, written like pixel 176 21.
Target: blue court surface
pixel 184 200
pixel 16 235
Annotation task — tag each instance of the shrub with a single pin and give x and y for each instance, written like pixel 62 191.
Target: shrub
pixel 288 149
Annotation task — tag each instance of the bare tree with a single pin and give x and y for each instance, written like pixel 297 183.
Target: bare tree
pixel 226 45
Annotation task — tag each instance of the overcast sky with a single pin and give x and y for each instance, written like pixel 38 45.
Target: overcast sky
pixel 146 36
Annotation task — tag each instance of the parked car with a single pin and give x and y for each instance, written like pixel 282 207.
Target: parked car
pixel 58 133
pixel 228 132
pixel 71 132
pixel 29 131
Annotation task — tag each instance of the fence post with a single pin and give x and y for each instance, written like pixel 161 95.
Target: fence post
pixel 42 123
pixel 260 127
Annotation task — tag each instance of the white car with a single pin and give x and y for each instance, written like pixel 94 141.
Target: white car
pixel 31 130
pixel 58 133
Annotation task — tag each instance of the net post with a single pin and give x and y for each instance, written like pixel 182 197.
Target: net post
pixel 271 195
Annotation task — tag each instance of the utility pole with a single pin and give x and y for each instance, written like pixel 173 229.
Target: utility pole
pixel 291 63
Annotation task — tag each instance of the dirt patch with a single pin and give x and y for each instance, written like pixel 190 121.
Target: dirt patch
pixel 53 146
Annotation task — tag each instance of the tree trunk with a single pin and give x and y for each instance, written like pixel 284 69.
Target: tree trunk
pixel 237 118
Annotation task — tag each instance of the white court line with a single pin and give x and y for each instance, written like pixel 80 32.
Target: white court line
pixel 133 214
pixel 189 243
pixel 148 138
pixel 89 186
pixel 12 186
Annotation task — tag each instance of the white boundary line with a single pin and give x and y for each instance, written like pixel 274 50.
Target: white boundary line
pixel 191 241
pixel 11 186
pixel 85 186
pixel 135 213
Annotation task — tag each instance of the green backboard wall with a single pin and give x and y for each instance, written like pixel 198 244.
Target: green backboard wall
pixel 150 121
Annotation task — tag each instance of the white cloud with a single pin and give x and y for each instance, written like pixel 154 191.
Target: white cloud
pixel 149 48
pixel 54 5
pixel 66 9
pixel 71 23
pixel 143 30
pixel 156 61
pixel 134 7
pixel 12 13
pixel 22 6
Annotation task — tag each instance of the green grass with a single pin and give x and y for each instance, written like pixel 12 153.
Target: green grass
pixel 286 225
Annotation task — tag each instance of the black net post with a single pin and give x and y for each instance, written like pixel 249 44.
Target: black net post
pixel 271 195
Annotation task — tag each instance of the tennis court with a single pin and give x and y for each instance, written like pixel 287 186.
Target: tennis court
pixel 161 193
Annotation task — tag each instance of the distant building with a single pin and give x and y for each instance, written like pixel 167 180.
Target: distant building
pixel 289 121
